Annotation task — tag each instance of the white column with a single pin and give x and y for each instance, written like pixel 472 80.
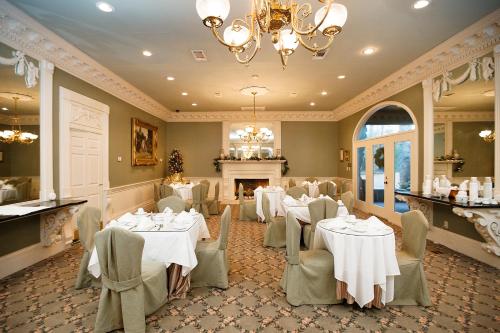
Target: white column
pixel 428 128
pixel 497 119
pixel 46 156
pixel 225 136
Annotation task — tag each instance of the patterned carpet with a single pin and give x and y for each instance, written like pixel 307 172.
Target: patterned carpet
pixel 465 295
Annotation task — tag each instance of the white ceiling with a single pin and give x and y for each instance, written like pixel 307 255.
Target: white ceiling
pixel 171 28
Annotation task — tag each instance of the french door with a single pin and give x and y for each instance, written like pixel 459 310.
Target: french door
pixel 381 166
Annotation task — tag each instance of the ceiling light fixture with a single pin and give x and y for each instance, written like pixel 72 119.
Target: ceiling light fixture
pixel 419 4
pixel 147 53
pixel 284 20
pixel 324 93
pixel 368 50
pixel 5 109
pixel 487 135
pixel 105 7
pixel 341 77
pixel 312 104
pixel 184 94
pixel 194 104
pixel 16 134
pixel 170 78
pixel 251 133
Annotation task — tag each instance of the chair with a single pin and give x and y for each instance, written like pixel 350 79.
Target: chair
pixel 173 202
pixel 332 189
pixel 311 179
pixel 88 224
pixel 131 288
pixel 275 235
pixel 206 182
pixel 319 209
pixel 200 193
pixel 291 183
pixel 410 288
pixel 308 277
pixel 323 188
pixel 213 265
pixel 348 200
pixel 248 209
pixel 296 192
pixel 166 191
pixel 156 189
pixel 213 204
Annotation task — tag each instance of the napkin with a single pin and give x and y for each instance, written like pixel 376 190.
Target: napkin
pixel 193 212
pixel 289 201
pixel 145 224
pixel 168 211
pixel 183 218
pixel 258 188
pixel 127 218
pixel 118 224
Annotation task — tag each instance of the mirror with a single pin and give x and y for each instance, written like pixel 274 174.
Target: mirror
pixel 239 148
pixel 463 118
pixel 19 141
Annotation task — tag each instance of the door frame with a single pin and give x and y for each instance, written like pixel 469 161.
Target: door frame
pixel 388 141
pixel 82 113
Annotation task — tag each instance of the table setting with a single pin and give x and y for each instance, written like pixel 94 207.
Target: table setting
pixel 364 254
pixel 185 191
pixel 275 195
pixel 313 188
pixel 300 206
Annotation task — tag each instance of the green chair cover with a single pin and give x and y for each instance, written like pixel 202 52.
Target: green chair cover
pixel 200 193
pixel 332 189
pixel 410 288
pixel 323 188
pixel 296 192
pixel 131 289
pixel 319 209
pixel 166 191
pixel 308 277
pixel 213 204
pixel 173 202
pixel 311 179
pixel 275 235
pixel 291 183
pixel 248 209
pixel 348 200
pixel 213 265
pixel 156 192
pixel 88 224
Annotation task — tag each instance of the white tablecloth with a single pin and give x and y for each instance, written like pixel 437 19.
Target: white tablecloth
pixel 168 246
pixel 299 208
pixel 313 188
pixel 184 190
pixel 275 195
pixel 361 259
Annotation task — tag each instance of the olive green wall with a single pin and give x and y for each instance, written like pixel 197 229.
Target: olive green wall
pixel 120 137
pixel 311 148
pixel 199 144
pixel 413 99
pixel 15 161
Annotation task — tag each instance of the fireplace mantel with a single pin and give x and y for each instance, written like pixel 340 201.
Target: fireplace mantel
pixel 251 161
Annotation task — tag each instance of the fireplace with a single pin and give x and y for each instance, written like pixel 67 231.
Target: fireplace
pixel 248 185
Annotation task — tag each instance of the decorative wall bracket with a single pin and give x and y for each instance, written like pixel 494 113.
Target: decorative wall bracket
pixel 487 223
pixel 22 67
pixel 425 206
pixel 52 223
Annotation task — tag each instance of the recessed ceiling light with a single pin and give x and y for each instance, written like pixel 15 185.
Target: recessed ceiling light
pixel 105 7
pixel 194 104
pixel 5 109
pixel 489 93
pixel 341 77
pixel 419 4
pixel 170 78
pixel 293 94
pixel 218 94
pixel 147 53
pixel 255 76
pixel 184 94
pixel 312 104
pixel 324 93
pixel 368 50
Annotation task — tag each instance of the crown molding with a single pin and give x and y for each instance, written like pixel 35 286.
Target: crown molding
pixel 216 116
pixel 459 116
pixel 475 41
pixel 25 34
pixel 22 120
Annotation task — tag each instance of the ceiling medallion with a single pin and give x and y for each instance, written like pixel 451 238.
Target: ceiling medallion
pixel 283 19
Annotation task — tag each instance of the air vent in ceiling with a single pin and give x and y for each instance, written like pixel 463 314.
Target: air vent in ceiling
pixel 250 108
pixel 199 55
pixel 320 55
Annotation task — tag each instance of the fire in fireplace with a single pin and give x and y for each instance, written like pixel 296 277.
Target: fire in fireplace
pixel 248 186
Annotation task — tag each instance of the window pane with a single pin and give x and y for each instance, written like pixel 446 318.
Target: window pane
pixel 402 172
pixel 362 173
pixel 378 175
pixel 388 120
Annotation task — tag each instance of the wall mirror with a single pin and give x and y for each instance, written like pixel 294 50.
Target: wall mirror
pixel 241 147
pixel 464 108
pixel 19 127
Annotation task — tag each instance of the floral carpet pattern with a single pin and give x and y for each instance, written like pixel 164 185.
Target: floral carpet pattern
pixel 465 296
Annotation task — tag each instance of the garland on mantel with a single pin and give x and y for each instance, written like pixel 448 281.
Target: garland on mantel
pixel 284 166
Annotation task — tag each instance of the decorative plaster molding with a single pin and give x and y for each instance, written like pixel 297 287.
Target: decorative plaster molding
pixel 247 116
pixel 475 41
pixel 51 225
pixel 23 33
pixel 441 116
pixel 23 120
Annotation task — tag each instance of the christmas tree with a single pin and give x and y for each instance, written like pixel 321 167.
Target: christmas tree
pixel 175 162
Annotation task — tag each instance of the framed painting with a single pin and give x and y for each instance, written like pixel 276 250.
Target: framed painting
pixel 144 143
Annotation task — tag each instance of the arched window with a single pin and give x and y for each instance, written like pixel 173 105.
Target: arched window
pixel 388 120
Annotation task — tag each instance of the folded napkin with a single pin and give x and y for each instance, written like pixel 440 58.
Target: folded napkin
pixel 304 198
pixel 127 218
pixel 289 201
pixel 184 218
pixel 118 224
pixel 168 211
pixel 259 189
pixel 145 224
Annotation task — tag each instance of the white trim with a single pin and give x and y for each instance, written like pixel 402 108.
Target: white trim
pixel 428 124
pixel 46 147
pixel 497 119
pixel 463 116
pixel 237 116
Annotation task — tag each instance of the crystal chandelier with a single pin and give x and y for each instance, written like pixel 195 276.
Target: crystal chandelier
pixel 285 20
pixel 253 134
pixel 487 135
pixel 16 134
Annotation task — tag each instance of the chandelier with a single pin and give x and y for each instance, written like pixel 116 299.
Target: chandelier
pixel 487 135
pixel 285 20
pixel 253 134
pixel 16 134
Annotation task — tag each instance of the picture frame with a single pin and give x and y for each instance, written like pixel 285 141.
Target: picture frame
pixel 144 143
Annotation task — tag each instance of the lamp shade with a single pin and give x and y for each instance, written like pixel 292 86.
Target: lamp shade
pixel 337 16
pixel 236 35
pixel 288 41
pixel 213 8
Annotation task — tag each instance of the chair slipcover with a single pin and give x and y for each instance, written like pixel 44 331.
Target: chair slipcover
pixel 213 204
pixel 311 179
pixel 248 209
pixel 296 192
pixel 173 202
pixel 88 224
pixel 323 188
pixel 319 209
pixel 348 200
pixel 156 192
pixel 166 191
pixel 213 265
pixel 275 235
pixel 200 193
pixel 291 183
pixel 308 277
pixel 332 190
pixel 131 289
pixel 410 288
